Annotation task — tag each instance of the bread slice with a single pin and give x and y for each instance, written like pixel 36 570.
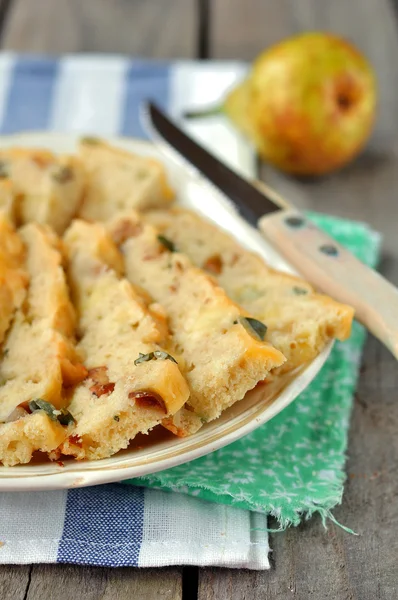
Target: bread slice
pixel 300 322
pixel 118 180
pixel 223 359
pixel 48 188
pixel 13 276
pixel 39 357
pixel 133 382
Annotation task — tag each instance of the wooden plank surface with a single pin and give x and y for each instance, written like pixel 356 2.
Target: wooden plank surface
pixel 14 581
pixel 309 562
pixel 152 29
pixel 64 582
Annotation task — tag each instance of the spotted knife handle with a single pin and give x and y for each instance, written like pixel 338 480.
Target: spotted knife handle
pixel 336 272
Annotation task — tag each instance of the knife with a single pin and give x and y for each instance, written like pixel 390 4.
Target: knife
pixel 319 258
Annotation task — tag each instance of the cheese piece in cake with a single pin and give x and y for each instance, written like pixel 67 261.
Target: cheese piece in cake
pixel 39 357
pixel 13 276
pixel 119 180
pixel 224 356
pixel 48 188
pixel 300 322
pixel 133 379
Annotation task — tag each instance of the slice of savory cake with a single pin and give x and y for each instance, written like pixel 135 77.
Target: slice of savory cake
pixel 39 361
pixel 224 351
pixel 119 180
pixel 133 381
pixel 13 276
pixel 48 189
pixel 300 322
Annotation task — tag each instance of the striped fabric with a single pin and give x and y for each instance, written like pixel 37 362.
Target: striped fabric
pixel 117 525
pixel 91 94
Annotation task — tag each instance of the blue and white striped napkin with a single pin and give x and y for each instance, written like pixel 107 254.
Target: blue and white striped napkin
pixel 117 525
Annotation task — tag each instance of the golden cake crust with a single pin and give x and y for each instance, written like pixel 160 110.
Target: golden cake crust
pixel 300 321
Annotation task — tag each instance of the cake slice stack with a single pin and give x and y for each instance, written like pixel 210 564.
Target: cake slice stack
pixel 133 380
pixel 225 352
pixel 39 360
pixel 300 321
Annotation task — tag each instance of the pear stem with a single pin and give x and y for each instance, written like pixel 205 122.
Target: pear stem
pixel 207 112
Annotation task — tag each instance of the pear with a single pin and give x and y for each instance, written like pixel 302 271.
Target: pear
pixel 308 104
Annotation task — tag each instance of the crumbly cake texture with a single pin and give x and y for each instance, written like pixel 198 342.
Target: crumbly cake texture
pixel 121 395
pixel 8 200
pixel 184 423
pixel 45 188
pixel 300 321
pixel 222 360
pixel 39 359
pixel 119 180
pixel 13 276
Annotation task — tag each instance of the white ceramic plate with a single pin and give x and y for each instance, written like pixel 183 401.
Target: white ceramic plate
pixel 160 450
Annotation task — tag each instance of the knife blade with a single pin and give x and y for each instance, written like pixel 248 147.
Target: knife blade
pixel 318 257
pixel 233 186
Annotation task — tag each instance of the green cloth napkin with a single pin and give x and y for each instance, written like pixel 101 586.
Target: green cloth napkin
pixel 294 464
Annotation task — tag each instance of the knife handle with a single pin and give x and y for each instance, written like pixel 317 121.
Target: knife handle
pixel 336 272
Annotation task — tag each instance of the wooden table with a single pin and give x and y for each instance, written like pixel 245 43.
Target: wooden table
pixel 307 562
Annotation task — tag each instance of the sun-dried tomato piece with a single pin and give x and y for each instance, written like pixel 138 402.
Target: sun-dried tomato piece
pixel 99 389
pixel 101 384
pixel 214 264
pixel 76 440
pixel 146 399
